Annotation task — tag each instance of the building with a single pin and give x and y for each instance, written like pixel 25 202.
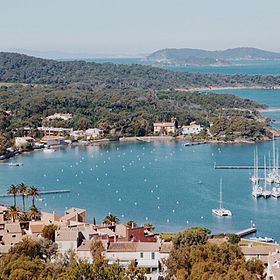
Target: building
pixel 53 140
pixel 74 215
pixel 59 116
pixel 68 239
pixel 90 133
pixel 193 128
pixel 21 142
pixel 273 266
pixel 166 128
pixel 55 131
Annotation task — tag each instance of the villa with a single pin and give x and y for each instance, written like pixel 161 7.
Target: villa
pixel 193 128
pixel 165 128
pixel 60 116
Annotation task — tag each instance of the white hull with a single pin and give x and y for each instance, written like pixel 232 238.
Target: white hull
pixel 221 212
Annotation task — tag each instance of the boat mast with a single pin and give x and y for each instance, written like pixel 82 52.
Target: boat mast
pixel 221 195
pixel 274 160
pixel 257 164
pixel 264 166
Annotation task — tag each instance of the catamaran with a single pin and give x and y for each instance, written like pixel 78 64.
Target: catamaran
pixel 222 212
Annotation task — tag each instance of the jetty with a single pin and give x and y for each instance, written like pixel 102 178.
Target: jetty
pixel 246 231
pixel 240 167
pixel 40 193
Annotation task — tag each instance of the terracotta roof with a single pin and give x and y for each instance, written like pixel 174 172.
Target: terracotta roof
pixel 165 124
pixel 36 228
pixel 259 250
pixel 122 247
pixel 106 231
pixel 133 247
pixel 52 137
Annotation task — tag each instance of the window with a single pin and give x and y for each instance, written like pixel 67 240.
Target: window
pixel 153 256
pixel 141 255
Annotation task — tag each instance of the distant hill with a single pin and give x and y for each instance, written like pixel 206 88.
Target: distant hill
pixel 18 68
pixel 203 57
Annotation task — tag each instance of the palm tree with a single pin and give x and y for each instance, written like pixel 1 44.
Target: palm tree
pixel 34 213
pixel 22 188
pixel 111 220
pixel 13 213
pixel 149 226
pixel 33 191
pixel 131 224
pixel 14 191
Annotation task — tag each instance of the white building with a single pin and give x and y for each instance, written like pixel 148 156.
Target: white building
pixel 147 255
pixel 68 239
pixel 193 128
pixel 88 134
pixel 60 116
pixel 24 141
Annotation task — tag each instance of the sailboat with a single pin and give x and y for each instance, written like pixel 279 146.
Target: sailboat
pixel 266 193
pixel 255 178
pixel 222 212
pixel 257 190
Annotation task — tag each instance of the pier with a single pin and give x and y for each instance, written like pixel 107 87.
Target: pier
pixel 240 167
pixel 247 231
pixel 40 193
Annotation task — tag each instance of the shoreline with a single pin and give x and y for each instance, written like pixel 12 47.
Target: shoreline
pixel 226 88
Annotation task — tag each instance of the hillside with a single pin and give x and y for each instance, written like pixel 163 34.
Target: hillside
pixel 17 68
pixel 202 57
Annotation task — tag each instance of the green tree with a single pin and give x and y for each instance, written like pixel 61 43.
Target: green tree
pixel 33 192
pixel 191 236
pixel 14 191
pixel 13 213
pixel 233 238
pixel 48 232
pixel 111 220
pixel 22 189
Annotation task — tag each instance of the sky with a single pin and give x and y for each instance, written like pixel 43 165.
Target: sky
pixel 130 27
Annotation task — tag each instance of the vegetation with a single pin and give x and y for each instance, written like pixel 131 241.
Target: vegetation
pixel 111 219
pixel 38 260
pixel 202 57
pixel 193 258
pixel 17 68
pixel 49 232
pixel 14 213
pixel 125 112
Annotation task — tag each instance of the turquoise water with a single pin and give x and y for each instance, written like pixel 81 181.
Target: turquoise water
pixel 263 96
pixel 167 184
pixel 240 67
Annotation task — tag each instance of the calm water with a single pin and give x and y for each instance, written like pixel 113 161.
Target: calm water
pixel 240 67
pixel 167 184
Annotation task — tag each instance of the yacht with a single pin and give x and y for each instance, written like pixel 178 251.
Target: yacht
pixel 263 239
pixel 221 212
pixel 49 150
pixel 257 191
pixel 275 192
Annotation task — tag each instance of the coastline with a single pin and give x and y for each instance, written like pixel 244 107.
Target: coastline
pixel 226 88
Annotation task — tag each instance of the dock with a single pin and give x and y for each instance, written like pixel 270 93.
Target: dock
pixel 40 193
pixel 240 167
pixel 247 231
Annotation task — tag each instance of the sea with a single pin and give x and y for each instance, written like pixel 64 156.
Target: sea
pixel 163 182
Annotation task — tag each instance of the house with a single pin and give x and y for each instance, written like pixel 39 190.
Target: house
pixel 55 131
pixel 53 140
pixel 140 234
pixel 193 128
pixel 60 116
pixel 11 234
pixel 273 267
pixel 165 128
pixel 146 254
pixel 68 239
pixel 74 215
pixel 260 252
pixel 93 133
pixel 21 142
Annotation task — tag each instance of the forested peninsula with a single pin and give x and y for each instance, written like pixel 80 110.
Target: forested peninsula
pixel 18 68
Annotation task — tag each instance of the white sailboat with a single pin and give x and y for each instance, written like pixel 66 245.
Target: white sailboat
pixel 266 193
pixel 222 212
pixel 255 178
